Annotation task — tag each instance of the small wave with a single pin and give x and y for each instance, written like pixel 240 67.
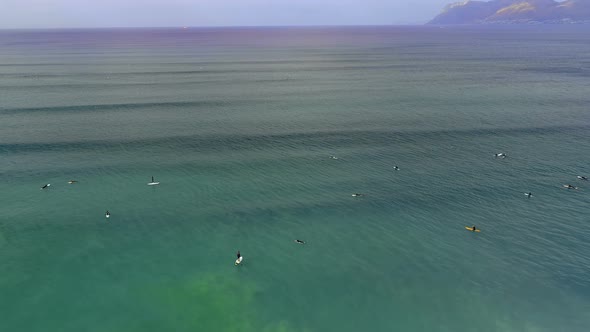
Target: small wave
pixel 111 107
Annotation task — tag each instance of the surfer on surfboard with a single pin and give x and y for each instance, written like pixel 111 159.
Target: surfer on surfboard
pixel 239 260
pixel 300 241
pixel 153 183
pixel 45 186
pixel 107 214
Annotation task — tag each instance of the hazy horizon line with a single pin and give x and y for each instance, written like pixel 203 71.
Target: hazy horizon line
pixel 282 26
pixel 219 26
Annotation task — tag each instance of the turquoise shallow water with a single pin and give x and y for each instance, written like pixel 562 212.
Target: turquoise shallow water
pixel 239 126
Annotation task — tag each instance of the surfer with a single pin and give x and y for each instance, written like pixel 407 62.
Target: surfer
pixel 300 241
pixel 45 186
pixel 582 178
pixel 239 260
pixel 153 183
pixel 72 181
pixel 333 157
pixel 529 194
pixel 500 155
pixel 396 168
pixel 107 214
pixel 357 195
pixel 569 186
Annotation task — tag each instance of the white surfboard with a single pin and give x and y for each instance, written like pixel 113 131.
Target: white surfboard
pixel 239 260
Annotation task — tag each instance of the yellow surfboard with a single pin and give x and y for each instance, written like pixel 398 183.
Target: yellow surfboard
pixel 471 229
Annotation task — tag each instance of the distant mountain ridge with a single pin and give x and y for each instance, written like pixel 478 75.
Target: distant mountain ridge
pixel 514 11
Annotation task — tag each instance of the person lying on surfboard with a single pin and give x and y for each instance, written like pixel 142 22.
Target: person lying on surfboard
pixel 473 229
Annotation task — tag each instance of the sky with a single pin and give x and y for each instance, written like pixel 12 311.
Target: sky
pixel 19 14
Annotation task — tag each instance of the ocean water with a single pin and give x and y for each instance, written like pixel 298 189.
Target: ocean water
pixel 238 125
